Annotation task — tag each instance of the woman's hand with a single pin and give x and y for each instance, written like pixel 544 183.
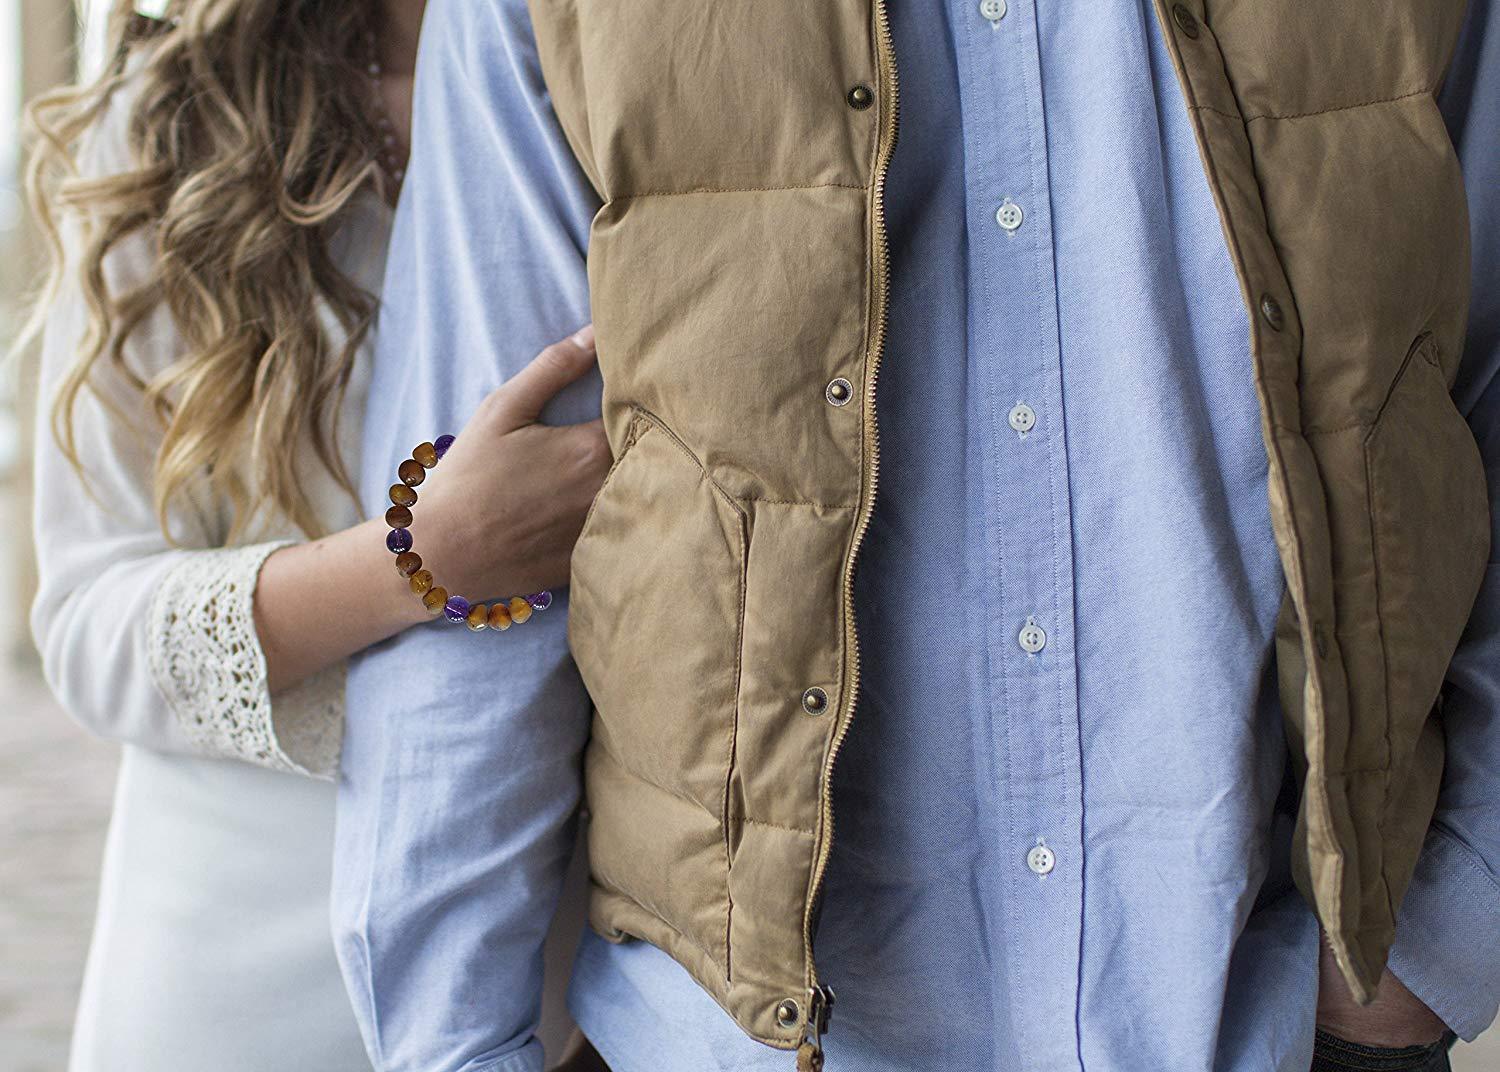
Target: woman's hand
pixel 498 518
pixel 500 515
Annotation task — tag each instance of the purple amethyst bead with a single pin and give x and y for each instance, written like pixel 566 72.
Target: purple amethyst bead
pixel 541 600
pixel 441 444
pixel 398 541
pixel 456 609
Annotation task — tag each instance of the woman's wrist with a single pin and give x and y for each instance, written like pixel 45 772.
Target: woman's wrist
pixel 381 588
pixel 317 603
pixel 437 598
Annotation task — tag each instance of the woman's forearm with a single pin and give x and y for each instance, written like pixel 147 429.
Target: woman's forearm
pixel 318 603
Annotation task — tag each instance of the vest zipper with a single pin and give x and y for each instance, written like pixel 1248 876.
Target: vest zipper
pixel 820 998
pixel 819 1009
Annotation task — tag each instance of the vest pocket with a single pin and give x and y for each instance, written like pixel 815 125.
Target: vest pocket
pixel 1430 534
pixel 656 612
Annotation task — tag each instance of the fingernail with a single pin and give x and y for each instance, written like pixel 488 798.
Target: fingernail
pixel 584 337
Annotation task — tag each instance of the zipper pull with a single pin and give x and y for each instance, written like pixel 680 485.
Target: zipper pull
pixel 819 1012
pixel 809 1058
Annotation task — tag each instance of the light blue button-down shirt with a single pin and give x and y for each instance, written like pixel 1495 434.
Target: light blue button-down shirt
pixel 1067 599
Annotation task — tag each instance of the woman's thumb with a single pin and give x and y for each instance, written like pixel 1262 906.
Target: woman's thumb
pixel 521 399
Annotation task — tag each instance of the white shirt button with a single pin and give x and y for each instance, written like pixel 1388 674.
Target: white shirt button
pixel 1022 417
pixel 1009 215
pixel 994 10
pixel 1032 638
pixel 1041 860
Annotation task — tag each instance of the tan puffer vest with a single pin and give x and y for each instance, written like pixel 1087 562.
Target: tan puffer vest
pixel 739 278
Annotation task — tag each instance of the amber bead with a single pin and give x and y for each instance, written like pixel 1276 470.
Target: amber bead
pixel 500 616
pixel 421 582
pixel 411 473
pixel 408 562
pixel 520 610
pixel 398 517
pixel 478 617
pixel 435 599
pixel 425 455
pixel 402 495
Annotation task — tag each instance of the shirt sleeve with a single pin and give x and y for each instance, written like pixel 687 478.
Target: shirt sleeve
pixel 1447 948
pixel 461 774
pixel 145 640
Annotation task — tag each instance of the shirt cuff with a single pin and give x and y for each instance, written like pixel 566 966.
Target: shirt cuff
pixel 208 663
pixel 1447 948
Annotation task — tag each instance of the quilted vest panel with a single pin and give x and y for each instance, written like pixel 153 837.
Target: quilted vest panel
pixel 738 276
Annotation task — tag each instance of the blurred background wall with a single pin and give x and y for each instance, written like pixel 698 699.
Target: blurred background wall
pixel 55 781
pixel 38 51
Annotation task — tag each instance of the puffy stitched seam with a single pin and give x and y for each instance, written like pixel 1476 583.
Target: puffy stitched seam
pixel 610 887
pixel 778 826
pixel 734 190
pixel 1328 430
pixel 1426 91
pixel 797 502
pixel 653 783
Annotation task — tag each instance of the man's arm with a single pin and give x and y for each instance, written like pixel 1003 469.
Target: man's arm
pixel 1448 937
pixel 460 776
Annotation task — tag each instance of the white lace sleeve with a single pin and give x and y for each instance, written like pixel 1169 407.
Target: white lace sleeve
pixel 207 661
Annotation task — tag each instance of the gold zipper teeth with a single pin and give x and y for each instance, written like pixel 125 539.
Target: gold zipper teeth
pixel 887 55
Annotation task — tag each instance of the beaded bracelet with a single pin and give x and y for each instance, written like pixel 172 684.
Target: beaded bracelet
pixel 434 596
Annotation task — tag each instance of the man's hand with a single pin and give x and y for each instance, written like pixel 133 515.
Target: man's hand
pixel 580 1057
pixel 1395 1018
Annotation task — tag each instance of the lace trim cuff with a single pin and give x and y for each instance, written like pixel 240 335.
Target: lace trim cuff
pixel 207 661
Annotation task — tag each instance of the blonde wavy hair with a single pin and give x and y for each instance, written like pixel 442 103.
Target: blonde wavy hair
pixel 250 132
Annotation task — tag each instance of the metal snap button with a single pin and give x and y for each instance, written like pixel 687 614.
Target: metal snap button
pixel 815 701
pixel 788 1013
pixel 1186 21
pixel 839 392
pixel 861 97
pixel 1270 308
